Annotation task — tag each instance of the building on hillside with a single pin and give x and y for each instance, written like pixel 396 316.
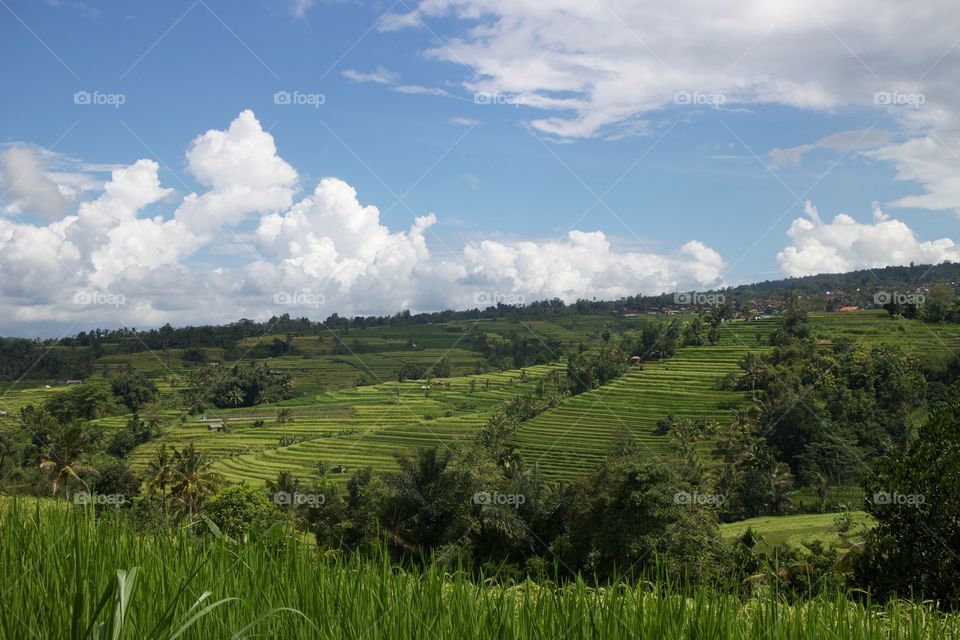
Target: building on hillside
pixel 849 309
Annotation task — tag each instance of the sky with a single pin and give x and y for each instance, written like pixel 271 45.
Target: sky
pixel 203 161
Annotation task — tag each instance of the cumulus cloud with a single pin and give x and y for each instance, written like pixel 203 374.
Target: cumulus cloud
pixel 585 264
pixel 847 245
pixel 134 255
pixel 27 186
pixel 243 171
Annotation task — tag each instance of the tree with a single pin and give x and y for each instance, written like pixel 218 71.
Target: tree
pixel 134 390
pixel 192 480
pixel 286 484
pixel 429 504
pixel 116 479
pixel 82 402
pixel 913 495
pixel 236 396
pixel 64 457
pixel 159 471
pixel 626 519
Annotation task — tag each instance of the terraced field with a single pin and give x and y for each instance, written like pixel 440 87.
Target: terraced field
pixel 359 427
pixel 352 412
pixel 876 326
pixel 573 438
pixel 13 396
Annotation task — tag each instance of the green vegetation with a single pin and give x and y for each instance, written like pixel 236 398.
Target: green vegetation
pixel 797 529
pixel 508 461
pixel 126 585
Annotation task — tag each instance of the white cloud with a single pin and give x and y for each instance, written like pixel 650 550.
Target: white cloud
pixel 415 89
pixel 169 267
pixel 26 184
pixel 380 75
pixel 244 172
pixel 299 8
pixel 384 76
pixel 847 245
pixel 605 68
pixel 845 141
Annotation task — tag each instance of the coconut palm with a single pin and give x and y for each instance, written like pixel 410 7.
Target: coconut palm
pixel 159 472
pixel 63 455
pixel 781 489
pixel 235 396
pixel 192 480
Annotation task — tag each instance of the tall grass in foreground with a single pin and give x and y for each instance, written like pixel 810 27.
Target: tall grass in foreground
pixel 60 579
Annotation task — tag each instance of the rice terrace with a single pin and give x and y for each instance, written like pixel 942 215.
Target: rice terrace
pixel 479 320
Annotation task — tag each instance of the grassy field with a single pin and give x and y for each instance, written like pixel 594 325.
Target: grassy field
pixel 794 530
pixel 352 412
pixel 572 439
pixel 876 326
pixel 122 585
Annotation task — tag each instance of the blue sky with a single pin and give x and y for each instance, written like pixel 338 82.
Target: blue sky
pixel 601 141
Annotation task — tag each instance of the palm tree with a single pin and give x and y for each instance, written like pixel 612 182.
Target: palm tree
pixel 159 472
pixel 192 480
pixel 62 457
pixel 284 416
pixel 781 489
pixel 235 396
pixel 286 483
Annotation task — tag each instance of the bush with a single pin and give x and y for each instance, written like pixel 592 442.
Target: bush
pixel 239 508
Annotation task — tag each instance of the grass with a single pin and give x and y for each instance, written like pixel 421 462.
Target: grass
pixel 572 439
pixel 926 341
pixel 363 426
pixel 67 574
pixel 794 530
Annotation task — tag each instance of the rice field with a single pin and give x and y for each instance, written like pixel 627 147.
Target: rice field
pixel 71 575
pixel 797 529
pixel 572 439
pixel 355 428
pixel 873 327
